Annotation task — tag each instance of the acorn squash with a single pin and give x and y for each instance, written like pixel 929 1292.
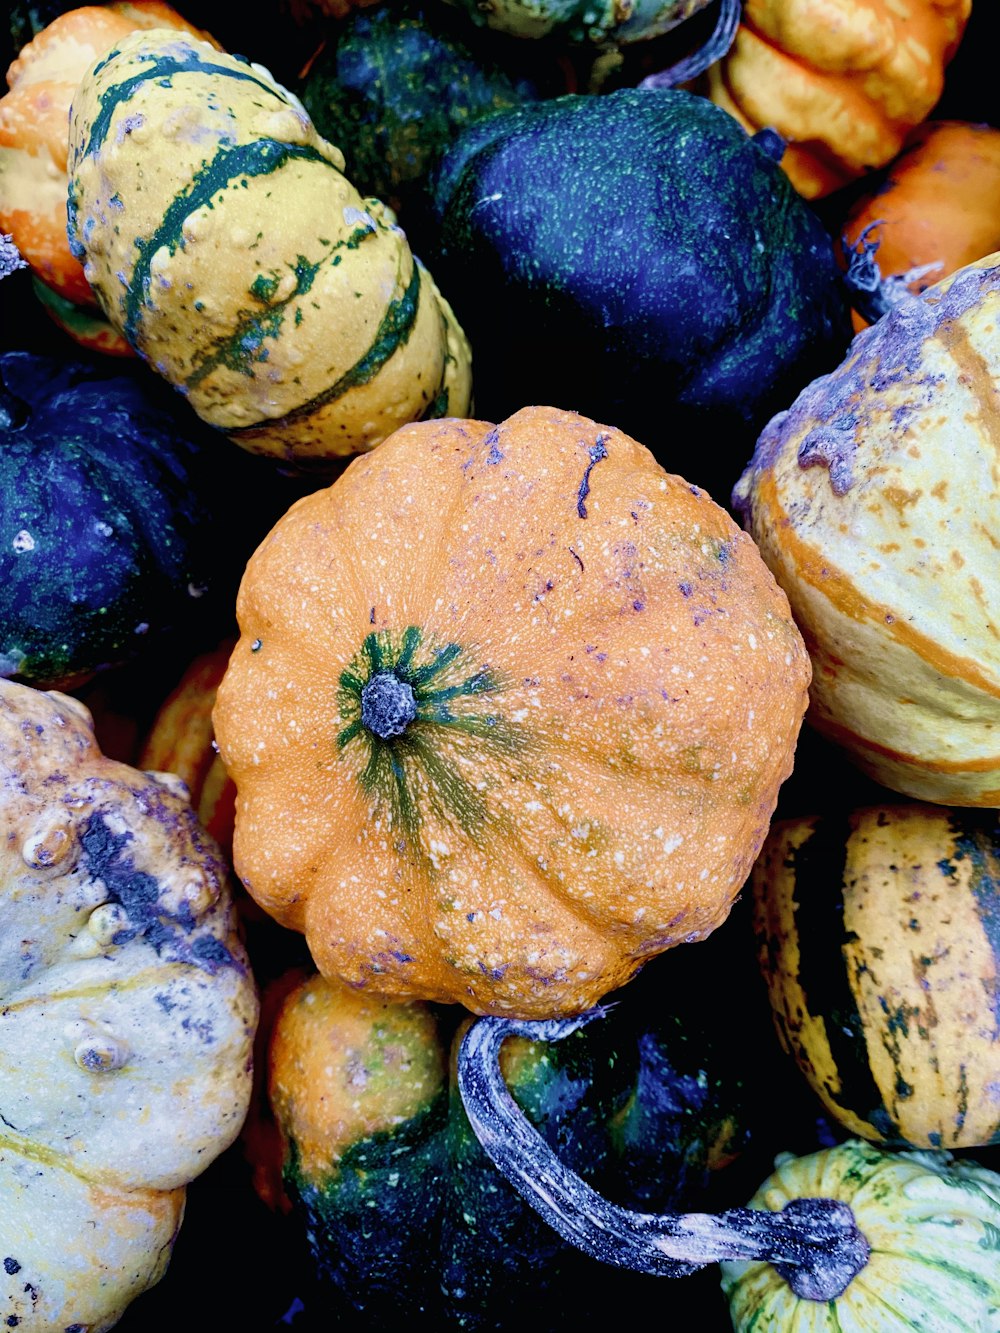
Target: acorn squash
pixel 127 1016
pixel 656 264
pixel 110 519
pixel 223 240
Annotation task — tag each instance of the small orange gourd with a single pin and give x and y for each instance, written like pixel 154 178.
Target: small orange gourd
pixel 508 714
pixel 842 82
pixel 935 208
pixel 34 143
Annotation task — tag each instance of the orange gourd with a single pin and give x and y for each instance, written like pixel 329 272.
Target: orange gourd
pixel 34 143
pixel 508 714
pixel 935 208
pixel 842 82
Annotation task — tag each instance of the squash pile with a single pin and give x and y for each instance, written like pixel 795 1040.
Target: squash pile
pixel 498 666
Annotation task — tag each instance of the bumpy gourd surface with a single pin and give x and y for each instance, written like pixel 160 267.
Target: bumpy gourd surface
pixel 127 1014
pixel 933 1224
pixel 873 499
pixel 222 238
pixel 842 81
pixel 878 939
pixel 604 691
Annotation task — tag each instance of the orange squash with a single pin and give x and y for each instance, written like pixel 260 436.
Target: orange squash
pixel 935 208
pixel 508 714
pixel 843 82
pixel 181 741
pixel 34 143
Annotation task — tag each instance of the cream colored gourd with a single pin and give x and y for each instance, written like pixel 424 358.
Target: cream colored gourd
pixel 223 240
pixel 127 1016
pixel 875 501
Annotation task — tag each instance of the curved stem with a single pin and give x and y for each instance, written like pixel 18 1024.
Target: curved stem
pixel 714 48
pixel 872 295
pixel 814 1243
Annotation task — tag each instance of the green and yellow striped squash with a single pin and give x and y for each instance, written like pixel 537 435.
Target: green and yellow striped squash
pixel 932 1222
pixel 874 501
pixel 223 240
pixel 878 935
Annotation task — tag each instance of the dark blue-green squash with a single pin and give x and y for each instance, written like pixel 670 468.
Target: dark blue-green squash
pixel 637 257
pixel 393 85
pixel 409 1224
pixel 109 539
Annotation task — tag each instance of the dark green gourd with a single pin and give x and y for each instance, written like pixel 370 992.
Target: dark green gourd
pixel 409 1223
pixel 637 257
pixel 392 87
pixel 107 540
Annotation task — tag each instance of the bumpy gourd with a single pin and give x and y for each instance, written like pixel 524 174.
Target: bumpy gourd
pixel 223 240
pixel 127 1016
pixel 872 500
pixel 933 1223
pixel 877 940
pixel 508 714
pixel 842 82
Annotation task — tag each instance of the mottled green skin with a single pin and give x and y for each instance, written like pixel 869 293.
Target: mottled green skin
pixel 393 87
pixel 636 257
pixel 417 1229
pixel 105 525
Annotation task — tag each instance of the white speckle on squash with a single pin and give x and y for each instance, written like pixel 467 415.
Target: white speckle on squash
pixel 23 541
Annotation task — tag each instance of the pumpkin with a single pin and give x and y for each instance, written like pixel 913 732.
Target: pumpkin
pixel 406 1220
pixel 843 83
pixel 181 741
pixel 127 1014
pixel 243 265
pixel 392 86
pixel 653 259
pixel 34 145
pixel 876 938
pixel 932 1223
pixel 933 209
pixel 508 714
pixel 109 517
pixel 869 499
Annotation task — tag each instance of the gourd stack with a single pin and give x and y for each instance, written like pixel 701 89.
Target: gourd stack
pixel 221 237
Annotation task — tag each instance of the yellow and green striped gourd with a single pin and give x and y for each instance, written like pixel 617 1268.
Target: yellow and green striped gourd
pixel 223 240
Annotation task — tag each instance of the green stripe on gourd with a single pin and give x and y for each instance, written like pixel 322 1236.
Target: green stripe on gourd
pixel 223 240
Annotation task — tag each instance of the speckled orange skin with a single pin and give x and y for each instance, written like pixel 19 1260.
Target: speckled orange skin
pixel 874 499
pixel 937 204
pixel 626 700
pixel 34 141
pixel 180 741
pixel 842 82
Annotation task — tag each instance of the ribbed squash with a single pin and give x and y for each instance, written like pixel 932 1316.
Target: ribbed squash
pixel 606 23
pixel 873 500
pixel 223 240
pixel 933 1225
pixel 508 714
pixel 404 1217
pixel 935 207
pixel 33 150
pixel 127 1015
pixel 843 82
pixel 181 741
pixel 878 939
